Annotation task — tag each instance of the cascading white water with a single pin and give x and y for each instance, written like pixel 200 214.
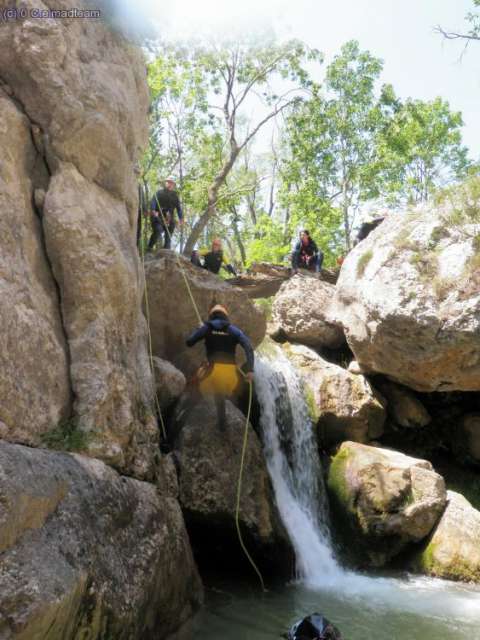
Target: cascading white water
pixel 298 486
pixel 294 467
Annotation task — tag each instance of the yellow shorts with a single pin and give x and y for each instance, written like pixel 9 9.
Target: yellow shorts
pixel 222 379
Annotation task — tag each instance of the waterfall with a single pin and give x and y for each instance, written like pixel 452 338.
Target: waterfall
pixel 293 463
pixel 294 467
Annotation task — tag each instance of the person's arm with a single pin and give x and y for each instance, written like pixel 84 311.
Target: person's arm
pixel 228 266
pixel 314 248
pixel 246 346
pixel 197 335
pixel 178 207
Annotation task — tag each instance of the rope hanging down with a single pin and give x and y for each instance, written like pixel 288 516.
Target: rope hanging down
pixel 247 421
pixel 150 347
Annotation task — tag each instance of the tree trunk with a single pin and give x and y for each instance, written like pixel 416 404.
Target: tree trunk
pixel 238 238
pixel 210 210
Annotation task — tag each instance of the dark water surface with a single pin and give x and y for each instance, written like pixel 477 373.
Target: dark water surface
pixel 452 612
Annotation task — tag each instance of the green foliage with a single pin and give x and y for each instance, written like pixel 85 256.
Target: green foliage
pixel 66 436
pixel 462 204
pixel 363 261
pixel 347 143
pixel 420 149
pixel 268 244
pixel 331 140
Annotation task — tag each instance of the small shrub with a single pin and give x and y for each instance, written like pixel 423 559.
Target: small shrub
pixel 66 436
pixel 363 261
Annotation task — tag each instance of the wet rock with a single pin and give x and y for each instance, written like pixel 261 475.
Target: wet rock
pixel 452 551
pixel 385 499
pixel 208 469
pixel 301 312
pixel 344 405
pixel 85 550
pixel 173 317
pixel 408 298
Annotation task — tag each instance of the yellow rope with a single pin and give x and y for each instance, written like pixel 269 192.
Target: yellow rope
pixel 239 488
pixel 245 437
pixel 150 346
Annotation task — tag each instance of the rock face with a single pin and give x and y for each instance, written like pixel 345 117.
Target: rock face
pixel 384 498
pixel 172 315
pixel 34 385
pixel 87 553
pixel 301 312
pixel 404 408
pixel 344 405
pixel 263 279
pixel 208 470
pixel 78 91
pixel 170 382
pixel 453 551
pixel 408 298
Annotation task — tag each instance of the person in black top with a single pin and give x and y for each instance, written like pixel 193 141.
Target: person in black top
pixel 162 208
pixel 213 259
pixel 220 377
pixel 366 228
pixel 306 254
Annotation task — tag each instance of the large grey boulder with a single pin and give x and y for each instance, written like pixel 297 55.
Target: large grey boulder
pixel 172 314
pixel 34 383
pixel 386 499
pixel 89 553
pixel 300 312
pixel 208 470
pixel 453 551
pixel 344 405
pixel 408 297
pixel 75 278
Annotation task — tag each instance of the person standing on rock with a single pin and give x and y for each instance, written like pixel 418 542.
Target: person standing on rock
pixel 306 254
pixel 219 376
pixel 162 208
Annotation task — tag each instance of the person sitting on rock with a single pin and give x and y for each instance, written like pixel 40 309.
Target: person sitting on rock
pixel 219 376
pixel 213 258
pixel 162 208
pixel 306 254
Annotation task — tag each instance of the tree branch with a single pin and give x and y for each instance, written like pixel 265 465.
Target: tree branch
pixel 452 35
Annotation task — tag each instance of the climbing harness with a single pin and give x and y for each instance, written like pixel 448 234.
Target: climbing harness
pixel 245 436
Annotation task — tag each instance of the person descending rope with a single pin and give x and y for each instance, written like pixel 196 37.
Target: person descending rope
pixel 213 258
pixel 219 377
pixel 162 208
pixel 306 254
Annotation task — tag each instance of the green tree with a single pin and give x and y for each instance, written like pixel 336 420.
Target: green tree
pixel 420 150
pixel 332 160
pixel 237 72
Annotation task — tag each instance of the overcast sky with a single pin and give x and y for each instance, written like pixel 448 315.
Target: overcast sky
pixel 418 62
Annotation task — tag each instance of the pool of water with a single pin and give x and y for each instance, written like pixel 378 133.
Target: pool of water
pixel 386 609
